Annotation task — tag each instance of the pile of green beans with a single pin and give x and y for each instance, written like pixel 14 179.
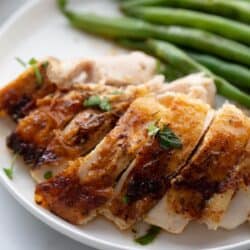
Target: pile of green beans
pixel 161 40
pixel 171 16
pixel 235 10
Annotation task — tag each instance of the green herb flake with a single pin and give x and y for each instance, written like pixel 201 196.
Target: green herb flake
pixel 9 171
pixel 102 103
pixel 32 61
pixel 149 237
pixel 94 100
pixel 105 105
pixel 39 79
pixel 168 139
pixel 48 175
pixel 21 62
pixel 152 129
pixel 125 199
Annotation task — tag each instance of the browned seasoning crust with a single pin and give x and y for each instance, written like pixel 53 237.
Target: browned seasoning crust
pixel 19 97
pixel 211 168
pixel 145 184
pixel 148 178
pixel 34 132
pixel 81 135
pixel 98 171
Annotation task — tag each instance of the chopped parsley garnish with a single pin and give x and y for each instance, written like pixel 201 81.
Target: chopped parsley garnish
pixel 167 138
pixel 97 101
pixel 32 61
pixel 153 129
pixel 125 199
pixel 9 171
pixel 34 64
pixel 48 175
pixel 19 60
pixel 149 237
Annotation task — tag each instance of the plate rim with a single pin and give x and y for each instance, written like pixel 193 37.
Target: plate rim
pixel 49 219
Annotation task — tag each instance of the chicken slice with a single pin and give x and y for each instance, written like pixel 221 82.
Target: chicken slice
pixel 196 85
pixel 34 132
pixel 19 97
pixel 62 148
pixel 87 184
pixel 206 174
pixel 239 207
pixel 120 70
pixel 148 177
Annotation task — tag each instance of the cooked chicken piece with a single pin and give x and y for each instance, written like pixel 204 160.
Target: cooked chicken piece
pixel 121 70
pixel 196 86
pixel 34 132
pixel 62 148
pixel 87 184
pixel 81 135
pixel 239 207
pixel 19 96
pixel 148 177
pixel 204 180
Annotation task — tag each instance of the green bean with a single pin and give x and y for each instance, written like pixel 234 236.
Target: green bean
pixel 171 16
pixel 238 75
pixel 235 10
pixel 176 58
pixel 124 27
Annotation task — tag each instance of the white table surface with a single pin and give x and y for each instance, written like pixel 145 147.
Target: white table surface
pixel 19 230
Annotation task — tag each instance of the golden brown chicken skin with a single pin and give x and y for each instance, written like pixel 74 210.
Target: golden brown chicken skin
pixel 19 97
pixel 87 184
pixel 206 178
pixel 149 176
pixel 81 135
pixel 54 111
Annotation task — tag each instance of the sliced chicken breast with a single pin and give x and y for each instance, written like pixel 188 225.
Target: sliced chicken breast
pixel 87 184
pixel 19 97
pixel 206 175
pixel 62 149
pixel 120 70
pixel 239 207
pixel 148 177
pixel 34 132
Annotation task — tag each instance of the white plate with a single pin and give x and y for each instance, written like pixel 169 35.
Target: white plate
pixel 39 30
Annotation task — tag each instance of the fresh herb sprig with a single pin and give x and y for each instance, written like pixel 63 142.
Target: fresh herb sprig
pixel 97 101
pixel 9 171
pixel 34 64
pixel 47 175
pixel 167 138
pixel 149 237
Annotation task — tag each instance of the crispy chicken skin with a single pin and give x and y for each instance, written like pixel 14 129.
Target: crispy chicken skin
pixel 205 178
pixel 34 132
pixel 87 184
pixel 81 135
pixel 148 177
pixel 19 97
pixel 85 131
